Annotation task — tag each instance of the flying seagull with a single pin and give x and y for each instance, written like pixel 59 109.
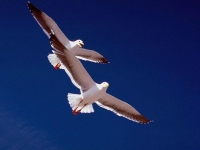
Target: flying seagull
pixel 47 24
pixel 90 91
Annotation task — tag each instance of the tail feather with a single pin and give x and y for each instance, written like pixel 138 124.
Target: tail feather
pixel 54 60
pixel 75 101
pixel 87 109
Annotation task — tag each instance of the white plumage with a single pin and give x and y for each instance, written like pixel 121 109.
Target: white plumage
pixel 47 24
pixel 90 91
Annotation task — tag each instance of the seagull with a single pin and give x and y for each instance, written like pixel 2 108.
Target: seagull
pixel 90 91
pixel 47 24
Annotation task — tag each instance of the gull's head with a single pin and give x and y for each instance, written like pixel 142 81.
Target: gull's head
pixel 79 43
pixel 105 84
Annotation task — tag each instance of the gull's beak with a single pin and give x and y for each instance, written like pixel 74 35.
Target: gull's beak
pixel 106 85
pixel 81 44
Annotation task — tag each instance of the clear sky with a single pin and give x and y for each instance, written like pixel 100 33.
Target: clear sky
pixel 153 48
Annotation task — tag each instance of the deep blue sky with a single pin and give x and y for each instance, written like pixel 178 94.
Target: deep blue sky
pixel 154 50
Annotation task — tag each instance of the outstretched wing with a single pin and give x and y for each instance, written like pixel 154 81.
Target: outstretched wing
pixel 90 55
pixel 47 24
pixel 121 108
pixel 73 67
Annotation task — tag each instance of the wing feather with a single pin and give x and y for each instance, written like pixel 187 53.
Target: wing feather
pixel 47 23
pixel 75 70
pixel 121 108
pixel 90 55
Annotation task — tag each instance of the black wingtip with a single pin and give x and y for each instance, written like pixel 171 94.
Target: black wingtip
pixel 32 8
pixel 51 40
pixel 104 61
pixel 29 4
pixel 51 36
pixel 146 122
pixel 54 41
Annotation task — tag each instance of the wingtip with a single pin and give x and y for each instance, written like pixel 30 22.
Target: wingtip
pixel 104 61
pixel 33 9
pixel 146 122
pixel 52 32
pixel 54 42
pixel 51 35
pixel 29 3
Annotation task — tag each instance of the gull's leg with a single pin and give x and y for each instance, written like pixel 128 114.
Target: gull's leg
pixel 76 112
pixel 57 66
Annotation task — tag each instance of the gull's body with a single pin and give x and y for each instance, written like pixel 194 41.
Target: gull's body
pixel 47 24
pixel 90 91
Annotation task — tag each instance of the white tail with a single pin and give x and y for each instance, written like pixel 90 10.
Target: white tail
pixel 87 109
pixel 53 59
pixel 75 101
